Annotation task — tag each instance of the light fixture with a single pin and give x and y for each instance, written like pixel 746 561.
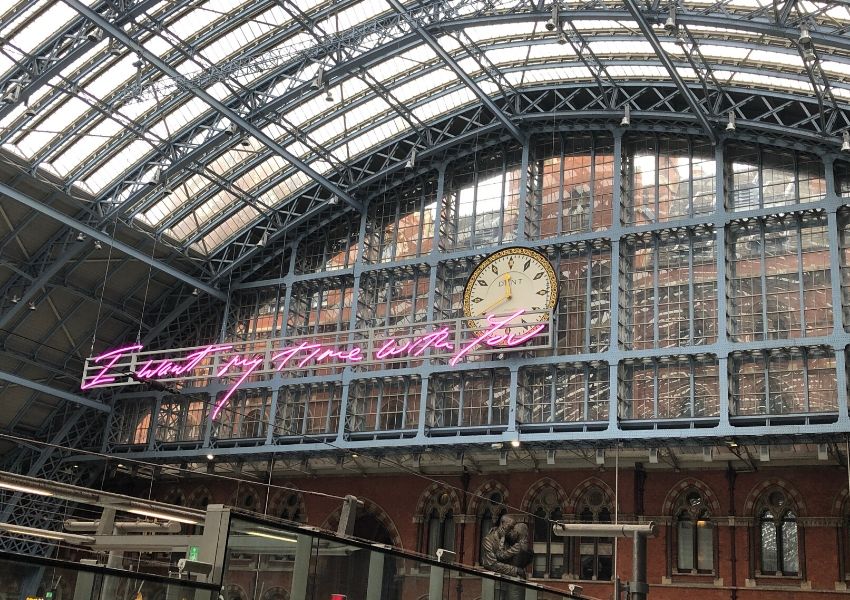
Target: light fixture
pixel 319 81
pixel 61 536
pixel 680 37
pixel 12 93
pixel 81 237
pixel 210 457
pixel 562 37
pixel 271 536
pixel 411 160
pixel 845 145
pixel 94 34
pixel 24 489
pixel 245 142
pixel 328 96
pixel 230 129
pixel 355 455
pixel 195 292
pixel 31 305
pixel 515 443
pixel 97 245
pixel 730 125
pixel 161 515
pixel 627 118
pixel 552 23
pixel 809 54
pixel 114 47
pixel 30 111
pixel 16 299
pixel 805 38
pixel 670 23
pixel 333 200
pixel 138 63
pixel 264 239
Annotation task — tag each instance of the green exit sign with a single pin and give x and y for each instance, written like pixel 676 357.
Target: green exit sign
pixel 48 595
pixel 192 553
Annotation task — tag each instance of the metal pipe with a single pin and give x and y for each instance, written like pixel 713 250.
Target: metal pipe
pixel 638 589
pixel 604 529
pixel 125 526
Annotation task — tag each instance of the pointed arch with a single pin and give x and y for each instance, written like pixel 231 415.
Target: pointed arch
pixel 437 512
pixel 536 488
pixel 200 497
pixel 288 503
pixel 248 497
pixel 774 482
pixel 428 496
pixel 234 592
pixel 276 593
pixel 481 497
pixel 776 508
pixel 370 509
pixel 581 489
pixel 688 483
pixel 693 508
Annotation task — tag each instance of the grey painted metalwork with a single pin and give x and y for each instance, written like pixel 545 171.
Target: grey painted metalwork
pixel 107 239
pixel 230 114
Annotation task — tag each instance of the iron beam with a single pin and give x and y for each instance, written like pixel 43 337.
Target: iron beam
pixel 50 391
pixel 232 115
pixel 683 88
pixel 432 42
pixel 106 239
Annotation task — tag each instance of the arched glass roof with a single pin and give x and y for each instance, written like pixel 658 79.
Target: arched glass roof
pixel 172 135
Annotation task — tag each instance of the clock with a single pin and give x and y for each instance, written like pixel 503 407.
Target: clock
pixel 510 280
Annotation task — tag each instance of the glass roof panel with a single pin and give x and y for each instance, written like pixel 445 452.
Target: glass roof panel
pixel 115 166
pixel 505 30
pixel 230 227
pixel 48 22
pixel 85 145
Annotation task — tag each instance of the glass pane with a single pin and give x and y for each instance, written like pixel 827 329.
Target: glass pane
pixel 791 557
pixel 686 546
pixel 705 546
pixel 768 547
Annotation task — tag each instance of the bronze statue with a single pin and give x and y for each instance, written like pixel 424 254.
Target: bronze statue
pixel 493 551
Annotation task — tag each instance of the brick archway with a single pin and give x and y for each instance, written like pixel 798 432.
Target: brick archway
pixel 774 482
pixel 690 483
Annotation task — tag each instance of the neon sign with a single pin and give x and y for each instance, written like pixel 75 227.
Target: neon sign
pixel 128 364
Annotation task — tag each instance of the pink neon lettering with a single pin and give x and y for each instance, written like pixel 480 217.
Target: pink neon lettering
pixel 101 378
pixel 497 335
pixel 491 338
pixel 392 348
pixel 236 361
pixel 439 340
pixel 194 359
pixel 283 357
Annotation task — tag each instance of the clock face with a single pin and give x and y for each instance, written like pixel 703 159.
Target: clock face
pixel 510 280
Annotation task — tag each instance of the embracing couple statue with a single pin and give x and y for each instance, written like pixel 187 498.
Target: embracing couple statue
pixel 506 549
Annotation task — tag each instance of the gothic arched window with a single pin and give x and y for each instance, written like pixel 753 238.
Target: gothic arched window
pixel 778 534
pixel 694 533
pixel 439 523
pixel 549 550
pixel 490 513
pixel 595 555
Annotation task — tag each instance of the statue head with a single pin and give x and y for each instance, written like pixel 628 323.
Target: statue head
pixel 520 531
pixel 506 523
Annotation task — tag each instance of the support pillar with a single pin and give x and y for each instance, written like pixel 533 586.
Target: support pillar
pixel 638 589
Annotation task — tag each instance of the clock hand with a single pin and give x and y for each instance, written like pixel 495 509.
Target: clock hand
pixel 501 300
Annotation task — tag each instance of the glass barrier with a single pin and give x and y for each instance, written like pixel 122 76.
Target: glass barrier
pixel 277 561
pixel 35 578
